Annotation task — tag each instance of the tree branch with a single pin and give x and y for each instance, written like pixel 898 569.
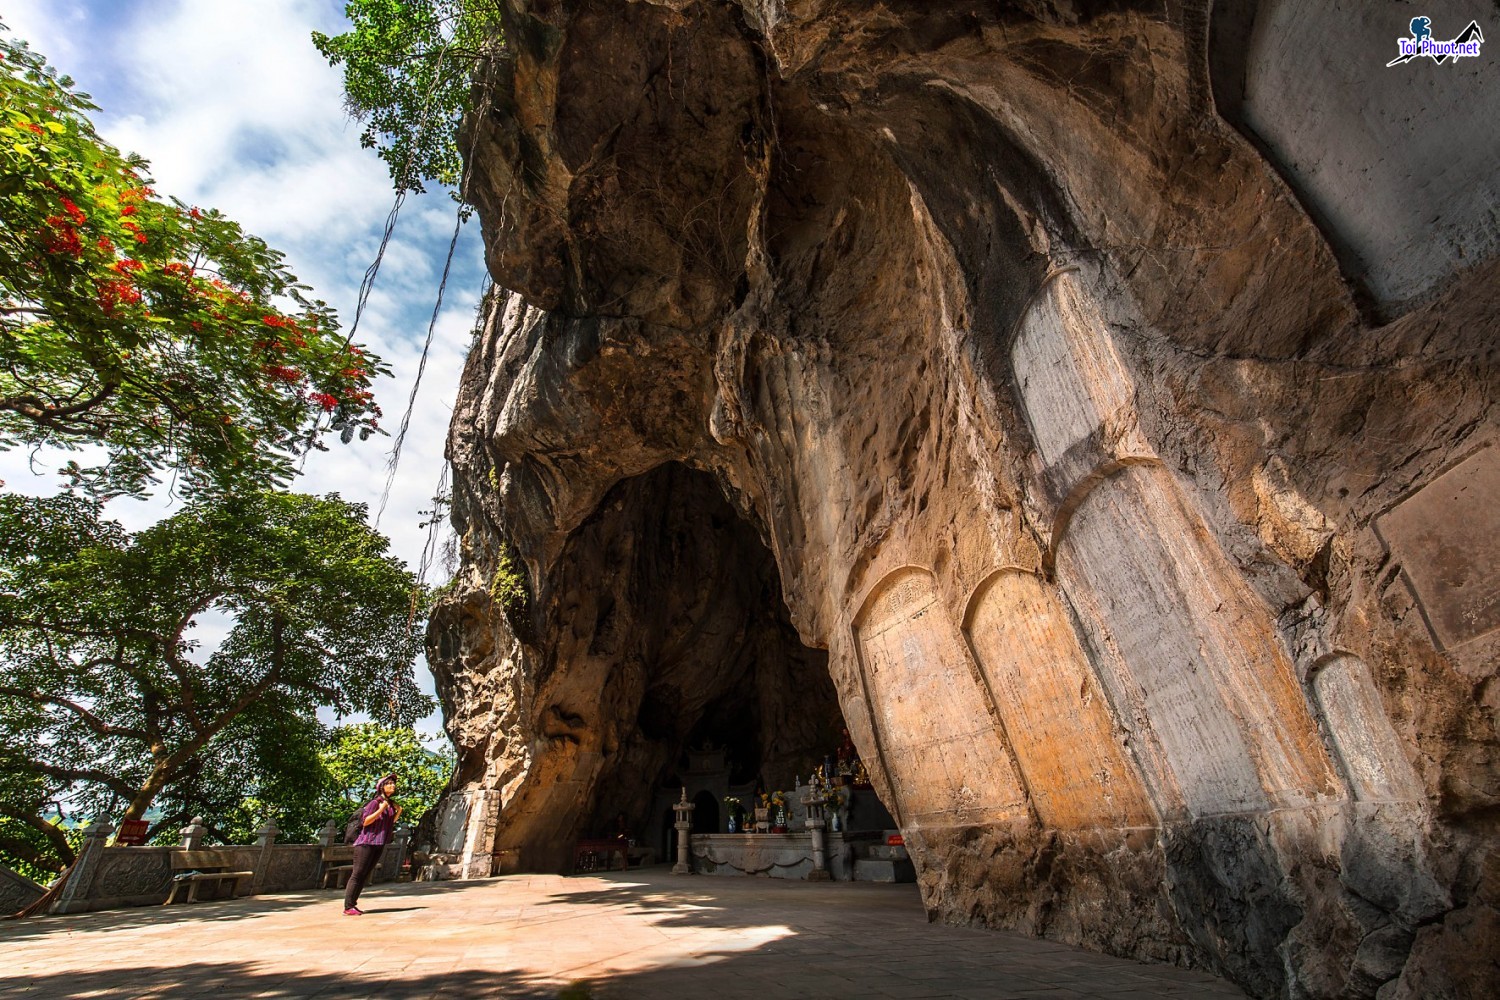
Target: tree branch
pixel 30 853
pixel 51 831
pixel 77 631
pixel 91 720
pixel 45 414
pixel 111 781
pixel 175 662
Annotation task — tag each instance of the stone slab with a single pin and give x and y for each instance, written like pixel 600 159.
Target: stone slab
pixel 1447 537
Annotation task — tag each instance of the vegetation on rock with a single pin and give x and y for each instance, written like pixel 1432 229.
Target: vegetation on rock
pixel 407 75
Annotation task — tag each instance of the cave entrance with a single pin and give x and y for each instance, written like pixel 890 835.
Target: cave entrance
pixel 709 687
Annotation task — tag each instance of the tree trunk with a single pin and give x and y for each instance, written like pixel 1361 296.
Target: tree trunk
pixel 54 835
pixel 154 784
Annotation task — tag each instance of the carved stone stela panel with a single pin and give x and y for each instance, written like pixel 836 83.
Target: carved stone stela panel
pixel 290 866
pixel 1447 537
pixel 1365 744
pixel 941 748
pixel 130 871
pixel 1196 649
pixel 1054 712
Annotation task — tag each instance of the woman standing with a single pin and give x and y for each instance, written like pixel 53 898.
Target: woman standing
pixel 378 820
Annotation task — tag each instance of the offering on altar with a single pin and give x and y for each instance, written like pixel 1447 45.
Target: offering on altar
pixel 736 813
pixel 775 803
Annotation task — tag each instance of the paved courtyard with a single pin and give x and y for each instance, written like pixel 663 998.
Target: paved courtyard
pixel 625 935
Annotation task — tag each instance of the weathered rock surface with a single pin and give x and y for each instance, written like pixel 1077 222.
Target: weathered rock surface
pixel 1054 369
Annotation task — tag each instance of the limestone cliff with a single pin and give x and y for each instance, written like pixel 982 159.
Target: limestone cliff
pixel 1093 405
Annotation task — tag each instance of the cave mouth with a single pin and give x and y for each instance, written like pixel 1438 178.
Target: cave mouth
pixel 710 685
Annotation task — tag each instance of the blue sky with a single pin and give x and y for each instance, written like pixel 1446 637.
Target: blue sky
pixel 236 110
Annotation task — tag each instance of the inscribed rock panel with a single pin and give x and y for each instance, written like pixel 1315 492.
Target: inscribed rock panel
pixel 1054 713
pixel 1198 649
pixel 1374 765
pixel 944 756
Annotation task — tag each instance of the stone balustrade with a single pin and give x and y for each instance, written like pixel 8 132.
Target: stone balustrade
pixel 17 891
pixel 108 877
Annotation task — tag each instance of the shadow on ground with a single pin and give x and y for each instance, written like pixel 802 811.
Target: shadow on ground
pixel 741 976
pixel 241 908
pixel 238 979
pixel 770 939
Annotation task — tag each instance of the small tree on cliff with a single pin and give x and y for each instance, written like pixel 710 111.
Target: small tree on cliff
pixel 408 67
pixel 163 333
pixel 104 700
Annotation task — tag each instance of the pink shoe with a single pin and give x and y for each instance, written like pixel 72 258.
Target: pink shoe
pixel 354 911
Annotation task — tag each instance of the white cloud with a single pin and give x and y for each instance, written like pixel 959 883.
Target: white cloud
pixel 236 110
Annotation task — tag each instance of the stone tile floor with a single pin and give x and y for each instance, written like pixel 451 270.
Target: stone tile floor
pixel 623 935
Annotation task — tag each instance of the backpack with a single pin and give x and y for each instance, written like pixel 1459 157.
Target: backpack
pixel 356 824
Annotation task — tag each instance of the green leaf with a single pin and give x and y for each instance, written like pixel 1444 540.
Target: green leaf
pixel 408 66
pixel 319 616
pixel 159 331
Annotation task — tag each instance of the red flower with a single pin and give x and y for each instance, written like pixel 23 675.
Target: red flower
pixel 113 293
pixel 282 373
pixel 73 210
pixel 327 401
pixel 127 265
pixel 106 245
pixel 195 213
pixel 62 238
pixel 129 210
pixel 36 128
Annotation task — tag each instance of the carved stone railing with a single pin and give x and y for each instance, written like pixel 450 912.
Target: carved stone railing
pixel 106 877
pixel 17 891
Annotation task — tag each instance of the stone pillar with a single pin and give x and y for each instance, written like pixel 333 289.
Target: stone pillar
pixel 684 826
pixel 265 839
pixel 193 833
pixel 479 852
pixel 328 834
pixel 74 897
pixel 394 854
pixel 814 822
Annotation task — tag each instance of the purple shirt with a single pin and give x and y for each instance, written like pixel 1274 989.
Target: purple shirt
pixel 377 833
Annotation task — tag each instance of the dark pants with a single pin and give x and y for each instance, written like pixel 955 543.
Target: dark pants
pixel 366 857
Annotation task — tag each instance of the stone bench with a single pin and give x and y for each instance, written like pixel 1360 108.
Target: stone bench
pixel 336 864
pixel 193 869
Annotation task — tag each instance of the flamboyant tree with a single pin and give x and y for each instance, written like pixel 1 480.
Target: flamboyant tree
pixel 107 699
pixel 160 331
